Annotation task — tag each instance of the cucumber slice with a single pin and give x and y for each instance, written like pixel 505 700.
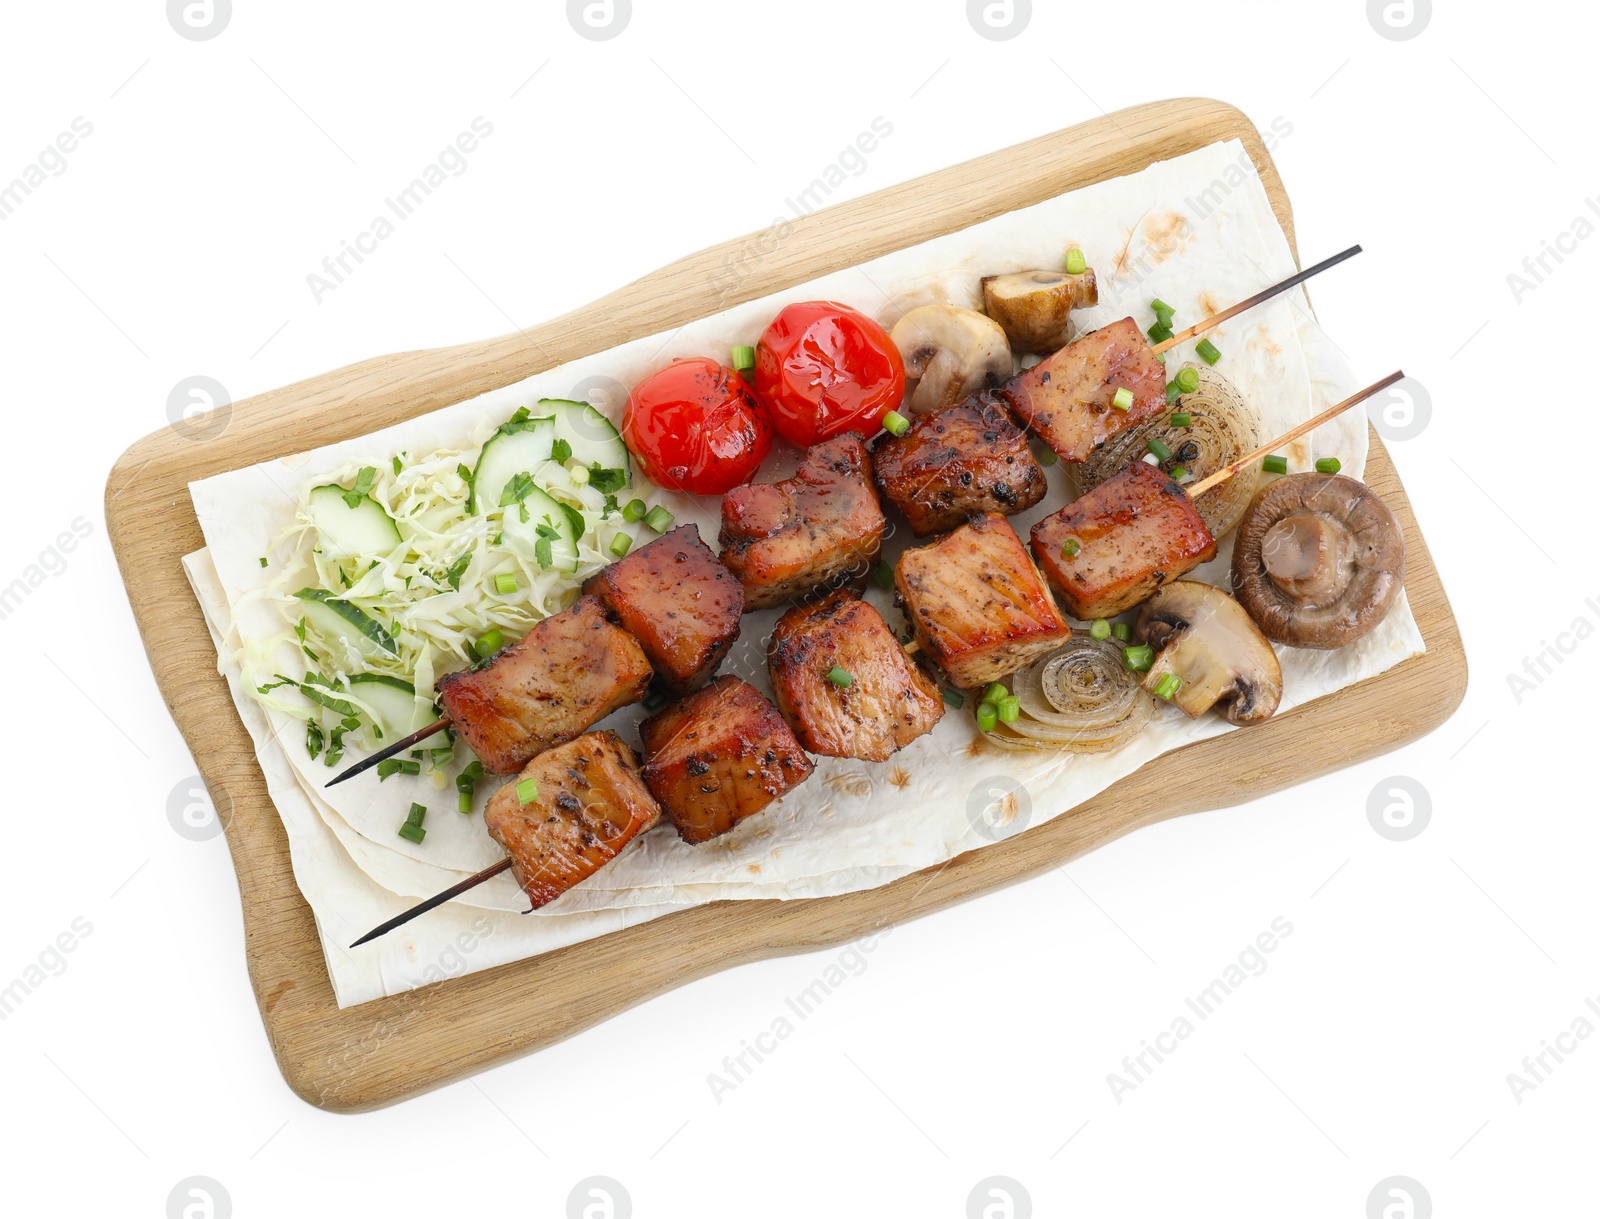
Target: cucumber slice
pixel 336 619
pixel 524 537
pixel 398 709
pixel 594 441
pixel 363 532
pixel 507 454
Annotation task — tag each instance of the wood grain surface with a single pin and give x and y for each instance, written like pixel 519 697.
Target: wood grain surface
pixel 380 1052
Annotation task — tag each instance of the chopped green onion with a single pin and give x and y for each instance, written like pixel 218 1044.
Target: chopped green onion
pixel 1046 455
pixel 464 802
pixel 1100 629
pixel 988 713
pixel 1173 392
pixel 412 829
pixel 1181 419
pixel 387 767
pixel 1327 465
pixel 995 693
pixel 1010 709
pixel 1122 399
pixel 579 475
pixel 633 511
pixel 1276 464
pixel 527 791
pixel 1207 351
pixel 1139 657
pixel 560 450
pixel 1077 264
pixel 953 697
pixel 1169 685
pixel 409 766
pixel 744 358
pixel 263 560
pixel 883 576
pixel 1159 333
pixel 1161 306
pixel 896 424
pixel 658 519
pixel 1161 357
pixel 1179 474
pixel 839 677
pixel 489 642
pixel 1188 379
pixel 1070 548
pixel 1122 631
pixel 505 583
pixel 620 545
pixel 1159 448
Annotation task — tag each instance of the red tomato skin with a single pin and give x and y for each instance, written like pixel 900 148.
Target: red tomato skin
pixel 823 368
pixel 696 426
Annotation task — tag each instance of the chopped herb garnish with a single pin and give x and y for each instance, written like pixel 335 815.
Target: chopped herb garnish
pixel 263 560
pixel 560 450
pixel 453 573
pixel 606 480
pixel 465 474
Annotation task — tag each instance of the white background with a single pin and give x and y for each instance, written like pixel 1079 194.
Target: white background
pixel 177 242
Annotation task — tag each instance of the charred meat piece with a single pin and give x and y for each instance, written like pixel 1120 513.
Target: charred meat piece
pixel 1069 398
pixel 979 607
pixel 678 601
pixel 719 756
pixel 887 702
pixel 590 803
pixel 818 529
pixel 572 669
pixel 969 458
pixel 1133 533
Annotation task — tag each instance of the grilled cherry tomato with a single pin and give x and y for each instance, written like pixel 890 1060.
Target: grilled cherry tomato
pixel 823 368
pixel 696 426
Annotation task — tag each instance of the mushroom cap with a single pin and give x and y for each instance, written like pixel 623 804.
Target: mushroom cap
pixel 1204 637
pixel 1034 306
pixel 1319 560
pixel 950 354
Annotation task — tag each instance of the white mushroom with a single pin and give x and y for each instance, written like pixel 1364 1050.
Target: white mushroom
pixel 1206 641
pixel 950 354
pixel 1033 307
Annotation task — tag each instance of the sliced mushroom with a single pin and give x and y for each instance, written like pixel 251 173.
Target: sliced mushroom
pixel 1033 306
pixel 1204 638
pixel 950 354
pixel 1319 560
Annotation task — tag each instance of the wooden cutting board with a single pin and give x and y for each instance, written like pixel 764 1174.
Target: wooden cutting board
pixel 380 1052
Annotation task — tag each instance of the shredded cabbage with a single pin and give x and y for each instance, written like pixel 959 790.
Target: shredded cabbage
pixel 434 592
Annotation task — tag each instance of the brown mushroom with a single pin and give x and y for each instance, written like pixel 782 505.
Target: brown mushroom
pixel 1205 640
pixel 1319 560
pixel 950 354
pixel 1033 306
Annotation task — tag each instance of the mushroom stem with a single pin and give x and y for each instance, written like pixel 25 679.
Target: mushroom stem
pixel 1198 489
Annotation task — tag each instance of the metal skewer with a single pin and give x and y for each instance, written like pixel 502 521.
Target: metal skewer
pixel 1216 319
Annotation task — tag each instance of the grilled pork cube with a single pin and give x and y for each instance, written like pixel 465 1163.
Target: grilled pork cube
pixel 572 669
pixel 719 756
pixel 818 529
pixel 979 607
pixel 888 703
pixel 678 601
pixel 590 804
pixel 1068 398
pixel 1134 532
pixel 966 459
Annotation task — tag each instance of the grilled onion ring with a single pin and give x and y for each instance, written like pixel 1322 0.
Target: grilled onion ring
pixel 1222 429
pixel 1079 698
